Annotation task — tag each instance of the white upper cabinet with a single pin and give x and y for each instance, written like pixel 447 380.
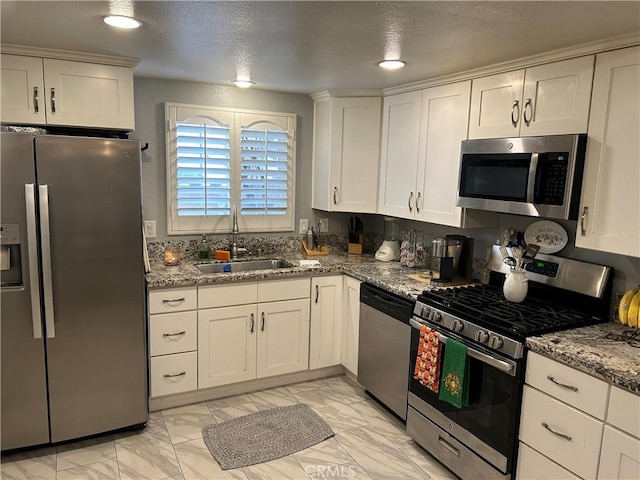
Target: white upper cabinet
pixel 610 218
pixel 345 153
pixel 38 91
pixel 22 85
pixel 549 99
pixel 443 127
pixel 422 133
pixel 399 154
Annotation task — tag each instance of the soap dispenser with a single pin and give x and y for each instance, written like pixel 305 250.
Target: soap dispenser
pixel 203 251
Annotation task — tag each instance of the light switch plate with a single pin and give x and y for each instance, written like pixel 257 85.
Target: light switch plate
pixel 304 225
pixel 324 225
pixel 150 228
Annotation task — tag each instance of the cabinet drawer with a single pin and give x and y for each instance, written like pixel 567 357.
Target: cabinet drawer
pixel 532 465
pixel 576 442
pixel 277 290
pixel 211 296
pixel 578 389
pixel 624 411
pixel 173 333
pixel 173 299
pixel 174 373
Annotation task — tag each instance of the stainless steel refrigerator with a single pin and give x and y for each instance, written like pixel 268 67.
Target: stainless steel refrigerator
pixel 72 297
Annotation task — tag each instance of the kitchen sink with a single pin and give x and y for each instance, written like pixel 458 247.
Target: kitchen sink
pixel 248 266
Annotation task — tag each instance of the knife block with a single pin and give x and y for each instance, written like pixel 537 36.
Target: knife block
pixel 356 248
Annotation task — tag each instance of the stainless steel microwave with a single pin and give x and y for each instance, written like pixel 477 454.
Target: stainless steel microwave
pixel 535 176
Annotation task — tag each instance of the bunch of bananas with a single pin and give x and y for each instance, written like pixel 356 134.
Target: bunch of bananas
pixel 629 308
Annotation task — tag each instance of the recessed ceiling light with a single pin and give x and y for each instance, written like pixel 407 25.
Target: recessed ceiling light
pixel 392 64
pixel 243 83
pixel 120 21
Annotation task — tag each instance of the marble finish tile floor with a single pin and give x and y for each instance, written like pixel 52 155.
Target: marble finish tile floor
pixel 370 443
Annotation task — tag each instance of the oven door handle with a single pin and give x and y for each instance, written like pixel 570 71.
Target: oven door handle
pixel 483 357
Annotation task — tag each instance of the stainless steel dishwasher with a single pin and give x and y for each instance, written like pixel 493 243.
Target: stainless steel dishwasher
pixel 383 347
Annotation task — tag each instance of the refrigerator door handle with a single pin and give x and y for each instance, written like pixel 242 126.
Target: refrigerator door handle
pixel 32 247
pixel 45 239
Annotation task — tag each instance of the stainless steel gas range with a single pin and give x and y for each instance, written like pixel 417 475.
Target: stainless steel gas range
pixel 479 440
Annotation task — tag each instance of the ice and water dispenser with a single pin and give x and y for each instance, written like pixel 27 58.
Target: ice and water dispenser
pixel 10 255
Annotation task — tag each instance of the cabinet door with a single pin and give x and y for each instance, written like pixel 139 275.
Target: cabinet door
pixel 350 324
pixel 355 140
pixel 89 95
pixel 399 154
pixel 226 345
pixel 620 455
pixel 22 86
pixel 556 97
pixel 496 105
pixel 443 126
pixel 283 337
pixel 532 465
pixel 610 202
pixel 325 337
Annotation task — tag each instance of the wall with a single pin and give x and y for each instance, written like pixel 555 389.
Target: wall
pixel 150 96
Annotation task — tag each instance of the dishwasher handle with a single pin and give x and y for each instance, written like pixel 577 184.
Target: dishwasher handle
pixel 388 303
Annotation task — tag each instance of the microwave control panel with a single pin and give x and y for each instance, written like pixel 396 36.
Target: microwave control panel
pixel 551 178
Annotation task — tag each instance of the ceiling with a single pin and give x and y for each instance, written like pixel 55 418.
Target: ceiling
pixel 307 46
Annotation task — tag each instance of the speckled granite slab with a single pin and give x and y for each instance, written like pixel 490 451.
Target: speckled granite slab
pixel 388 275
pixel 587 349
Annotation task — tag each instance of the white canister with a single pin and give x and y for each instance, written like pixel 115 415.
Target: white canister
pixel 515 286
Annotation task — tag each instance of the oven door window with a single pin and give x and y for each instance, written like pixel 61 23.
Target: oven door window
pixel 494 402
pixel 495 177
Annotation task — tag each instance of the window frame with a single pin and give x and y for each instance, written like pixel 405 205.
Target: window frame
pixel 237 120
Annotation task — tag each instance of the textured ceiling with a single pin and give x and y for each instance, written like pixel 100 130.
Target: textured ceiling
pixel 305 46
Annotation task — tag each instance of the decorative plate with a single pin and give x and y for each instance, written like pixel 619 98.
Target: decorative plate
pixel 549 236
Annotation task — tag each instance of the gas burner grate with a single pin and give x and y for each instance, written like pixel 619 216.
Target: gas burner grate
pixel 486 306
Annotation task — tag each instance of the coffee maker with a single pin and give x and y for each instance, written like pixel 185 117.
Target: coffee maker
pixel 456 258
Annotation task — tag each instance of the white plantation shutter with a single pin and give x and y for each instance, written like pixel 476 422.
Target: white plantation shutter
pixel 220 158
pixel 264 172
pixel 204 169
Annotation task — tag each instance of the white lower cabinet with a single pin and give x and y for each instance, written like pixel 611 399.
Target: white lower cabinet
pixel 227 345
pixel 620 455
pixel 574 425
pixel 325 337
pixel 173 340
pixel 260 338
pixel 283 337
pixel 350 324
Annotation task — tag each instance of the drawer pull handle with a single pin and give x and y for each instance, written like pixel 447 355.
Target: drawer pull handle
pixel 448 446
pixel 174 301
pixel 563 385
pixel 173 375
pixel 557 434
pixel 177 334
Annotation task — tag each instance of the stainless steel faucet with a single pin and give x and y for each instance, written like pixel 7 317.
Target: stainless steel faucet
pixel 234 231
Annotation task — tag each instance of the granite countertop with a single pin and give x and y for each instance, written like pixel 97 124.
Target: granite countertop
pixel 388 275
pixel 587 349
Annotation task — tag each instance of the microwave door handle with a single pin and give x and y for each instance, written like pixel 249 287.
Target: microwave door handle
pixel 531 181
pixel 483 357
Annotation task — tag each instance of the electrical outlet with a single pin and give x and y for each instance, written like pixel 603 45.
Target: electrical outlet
pixel 304 225
pixel 150 228
pixel 324 225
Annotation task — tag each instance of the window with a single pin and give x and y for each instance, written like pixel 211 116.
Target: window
pixel 217 158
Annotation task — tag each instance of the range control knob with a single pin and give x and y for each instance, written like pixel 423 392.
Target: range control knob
pixel 436 316
pixel 424 311
pixel 457 326
pixel 495 342
pixel 482 336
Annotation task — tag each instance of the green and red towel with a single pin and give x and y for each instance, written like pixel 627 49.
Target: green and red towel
pixel 454 383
